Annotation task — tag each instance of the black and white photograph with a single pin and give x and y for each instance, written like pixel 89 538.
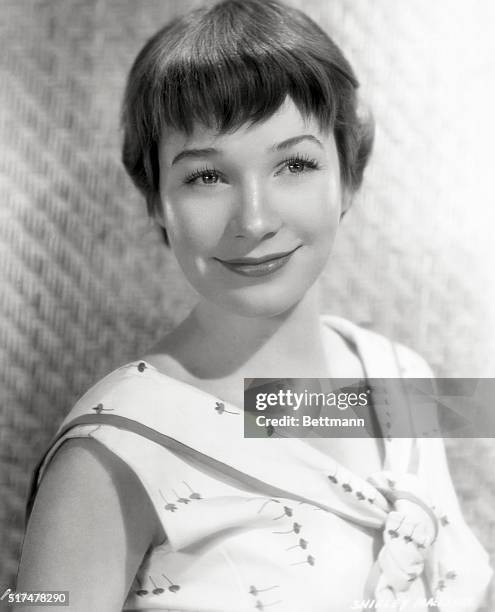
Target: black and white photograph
pixel 247 305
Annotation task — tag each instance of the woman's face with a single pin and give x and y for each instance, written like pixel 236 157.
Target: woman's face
pixel 252 215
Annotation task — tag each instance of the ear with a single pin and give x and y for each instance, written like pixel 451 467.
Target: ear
pixel 346 202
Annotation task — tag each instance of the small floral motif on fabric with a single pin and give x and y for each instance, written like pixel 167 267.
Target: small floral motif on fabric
pixel 220 408
pixel 99 409
pixel 256 592
pixel 169 506
pixel 172 505
pixel 157 589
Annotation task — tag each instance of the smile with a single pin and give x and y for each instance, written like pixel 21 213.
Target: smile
pixel 250 266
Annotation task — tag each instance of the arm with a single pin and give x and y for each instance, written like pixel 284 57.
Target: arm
pixel 90 527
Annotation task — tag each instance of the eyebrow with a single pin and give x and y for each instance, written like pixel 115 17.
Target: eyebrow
pixel 285 144
pixel 194 153
pixel 290 142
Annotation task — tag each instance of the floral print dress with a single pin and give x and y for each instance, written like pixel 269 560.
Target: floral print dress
pixel 275 524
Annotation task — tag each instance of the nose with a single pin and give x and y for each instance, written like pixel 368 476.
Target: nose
pixel 255 215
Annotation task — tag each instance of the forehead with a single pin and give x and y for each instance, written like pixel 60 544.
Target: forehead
pixel 285 124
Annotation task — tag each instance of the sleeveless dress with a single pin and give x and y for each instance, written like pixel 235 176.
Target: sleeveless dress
pixel 275 524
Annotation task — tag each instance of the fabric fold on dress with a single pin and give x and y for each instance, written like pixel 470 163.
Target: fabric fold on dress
pixel 425 527
pixel 412 501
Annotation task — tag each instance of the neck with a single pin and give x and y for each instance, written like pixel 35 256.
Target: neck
pixel 223 344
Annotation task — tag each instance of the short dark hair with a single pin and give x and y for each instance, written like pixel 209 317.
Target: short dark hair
pixel 234 63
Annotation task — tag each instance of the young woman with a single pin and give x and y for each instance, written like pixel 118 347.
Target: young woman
pixel 242 131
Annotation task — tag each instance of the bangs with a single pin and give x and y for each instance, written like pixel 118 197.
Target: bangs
pixel 226 92
pixel 235 64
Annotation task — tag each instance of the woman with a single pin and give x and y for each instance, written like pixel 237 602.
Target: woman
pixel 242 131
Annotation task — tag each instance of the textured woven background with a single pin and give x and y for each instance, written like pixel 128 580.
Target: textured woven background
pixel 85 284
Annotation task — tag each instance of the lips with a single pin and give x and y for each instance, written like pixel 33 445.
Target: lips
pixel 258 266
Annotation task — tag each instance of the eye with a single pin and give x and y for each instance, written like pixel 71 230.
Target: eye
pixel 296 167
pixel 299 164
pixel 204 176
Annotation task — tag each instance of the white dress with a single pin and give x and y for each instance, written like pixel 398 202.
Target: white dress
pixel 275 524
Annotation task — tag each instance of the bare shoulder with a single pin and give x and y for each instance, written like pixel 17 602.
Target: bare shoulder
pixel 90 527
pixel 83 466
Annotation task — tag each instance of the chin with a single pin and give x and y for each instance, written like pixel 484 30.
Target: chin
pixel 263 297
pixel 257 302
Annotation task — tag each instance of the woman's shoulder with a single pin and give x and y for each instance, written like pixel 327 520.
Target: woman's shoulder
pixel 134 384
pixel 65 523
pixel 121 384
pixel 120 422
pixel 82 466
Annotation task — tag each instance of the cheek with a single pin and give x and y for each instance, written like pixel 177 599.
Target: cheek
pixel 194 225
pixel 316 210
